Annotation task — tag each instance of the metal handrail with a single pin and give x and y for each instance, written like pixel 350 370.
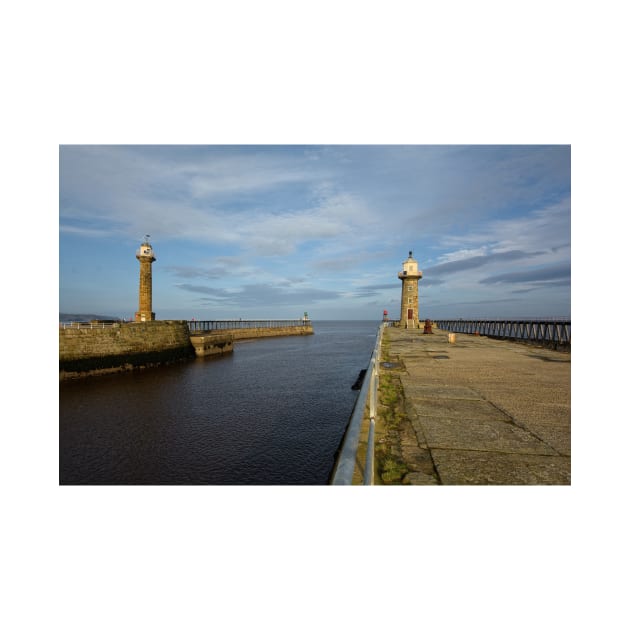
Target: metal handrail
pixel 346 461
pixel 233 324
pixel 368 475
pixel 555 331
pixel 66 325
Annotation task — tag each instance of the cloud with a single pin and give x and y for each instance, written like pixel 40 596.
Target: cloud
pixel 271 200
pixel 89 232
pixel 132 191
pixel 241 175
pixel 349 254
pixel 378 287
pixel 281 232
pixel 560 273
pixel 369 290
pixel 431 281
pixel 197 272
pixel 465 264
pixel 216 293
pixel 543 227
pixel 443 190
pixel 261 295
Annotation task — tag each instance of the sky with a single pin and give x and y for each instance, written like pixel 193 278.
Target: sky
pixel 273 231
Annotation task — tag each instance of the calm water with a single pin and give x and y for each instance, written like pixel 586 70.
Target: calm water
pixel 273 412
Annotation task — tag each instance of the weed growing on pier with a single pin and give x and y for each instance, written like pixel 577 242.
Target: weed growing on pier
pixel 390 465
pixel 389 462
pixel 393 470
pixel 391 408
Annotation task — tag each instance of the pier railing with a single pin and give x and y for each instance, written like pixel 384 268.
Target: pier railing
pixel 91 325
pixel 234 324
pixel 556 332
pixel 343 471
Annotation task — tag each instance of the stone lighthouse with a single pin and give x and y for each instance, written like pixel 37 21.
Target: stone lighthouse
pixel 409 314
pixel 145 294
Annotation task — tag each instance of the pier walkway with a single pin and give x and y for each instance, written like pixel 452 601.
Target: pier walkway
pixel 476 411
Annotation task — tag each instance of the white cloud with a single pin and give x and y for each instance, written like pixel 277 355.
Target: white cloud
pixel 546 228
pixel 133 193
pixel 279 233
pixel 84 231
pixel 462 254
pixel 238 175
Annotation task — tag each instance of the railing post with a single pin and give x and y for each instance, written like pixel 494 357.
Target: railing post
pixel 368 475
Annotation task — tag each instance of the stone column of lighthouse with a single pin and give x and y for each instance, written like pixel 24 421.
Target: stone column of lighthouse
pixel 145 294
pixel 409 312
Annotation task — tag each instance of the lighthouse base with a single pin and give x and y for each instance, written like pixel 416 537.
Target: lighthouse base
pixel 144 316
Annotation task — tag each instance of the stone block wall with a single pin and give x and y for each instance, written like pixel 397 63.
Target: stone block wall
pixel 122 346
pixel 276 331
pixel 84 351
pixel 212 344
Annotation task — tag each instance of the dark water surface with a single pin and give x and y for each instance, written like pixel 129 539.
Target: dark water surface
pixel 273 412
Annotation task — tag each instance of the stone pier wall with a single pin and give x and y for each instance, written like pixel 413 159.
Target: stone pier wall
pixel 118 347
pixel 122 346
pixel 275 331
pixel 212 344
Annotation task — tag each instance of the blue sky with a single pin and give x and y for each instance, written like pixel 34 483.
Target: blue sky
pixel 271 231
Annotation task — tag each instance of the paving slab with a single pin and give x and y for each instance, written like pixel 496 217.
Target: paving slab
pixel 420 479
pixel 480 433
pixel 416 390
pixel 556 436
pixel 487 411
pixel 482 468
pixel 417 459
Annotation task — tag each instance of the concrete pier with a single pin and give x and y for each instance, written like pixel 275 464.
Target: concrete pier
pixel 87 349
pixel 103 349
pixel 212 344
pixel 473 411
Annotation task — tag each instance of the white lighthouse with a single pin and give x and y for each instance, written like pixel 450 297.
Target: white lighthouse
pixel 409 313
pixel 145 256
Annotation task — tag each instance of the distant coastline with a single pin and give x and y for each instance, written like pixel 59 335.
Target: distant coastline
pixel 85 317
